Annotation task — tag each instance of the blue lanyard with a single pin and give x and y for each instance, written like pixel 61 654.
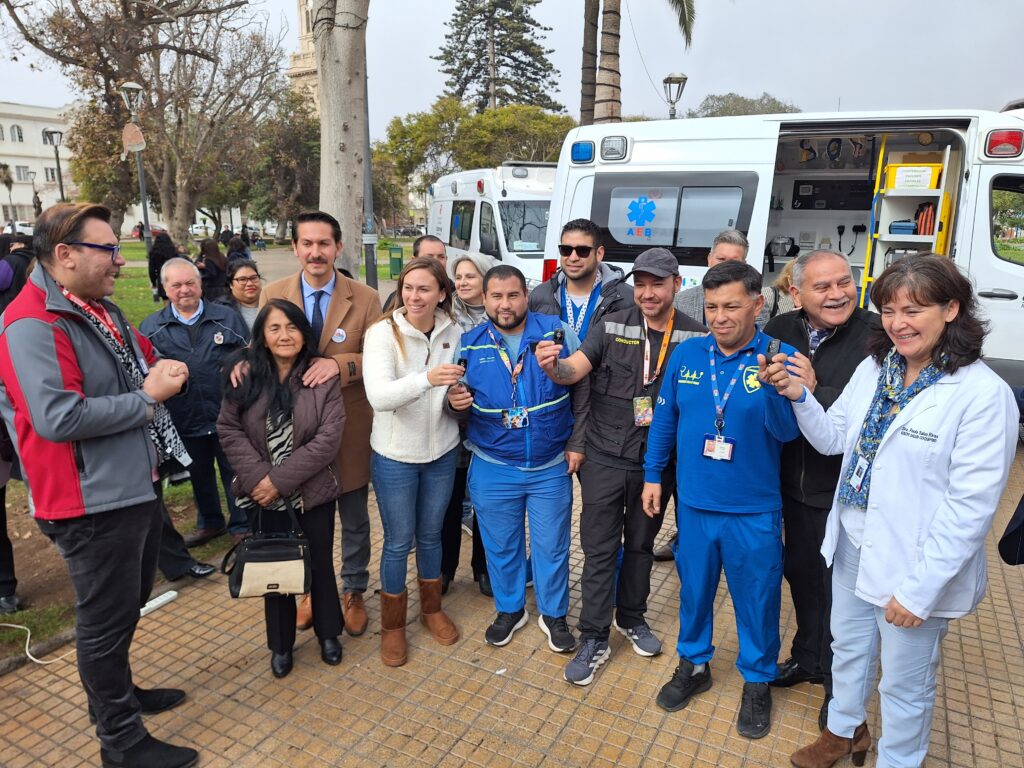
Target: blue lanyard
pixel 581 324
pixel 722 401
pixel 507 360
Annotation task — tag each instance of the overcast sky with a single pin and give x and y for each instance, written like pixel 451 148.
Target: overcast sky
pixel 872 54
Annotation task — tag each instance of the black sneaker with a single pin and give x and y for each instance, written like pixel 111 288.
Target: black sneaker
pixel 560 639
pixel 504 626
pixel 755 718
pixel 677 692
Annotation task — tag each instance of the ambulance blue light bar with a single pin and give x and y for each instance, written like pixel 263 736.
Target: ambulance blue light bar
pixel 582 152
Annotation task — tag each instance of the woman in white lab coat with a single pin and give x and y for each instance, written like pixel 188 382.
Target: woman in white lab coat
pixel 927 432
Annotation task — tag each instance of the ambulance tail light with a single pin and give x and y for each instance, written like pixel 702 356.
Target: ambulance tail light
pixel 1006 143
pixel 582 152
pixel 550 267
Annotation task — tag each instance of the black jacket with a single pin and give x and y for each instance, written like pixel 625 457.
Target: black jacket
pixel 807 476
pixel 616 294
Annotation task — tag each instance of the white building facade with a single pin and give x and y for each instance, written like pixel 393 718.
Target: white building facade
pixel 27 148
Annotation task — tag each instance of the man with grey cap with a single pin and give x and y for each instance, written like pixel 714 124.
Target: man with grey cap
pixel 624 355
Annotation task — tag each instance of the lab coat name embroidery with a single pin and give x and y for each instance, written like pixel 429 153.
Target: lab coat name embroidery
pixel 917 434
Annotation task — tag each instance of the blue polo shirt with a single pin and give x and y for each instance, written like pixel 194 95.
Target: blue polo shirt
pixel 756 417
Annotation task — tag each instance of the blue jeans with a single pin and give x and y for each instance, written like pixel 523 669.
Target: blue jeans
pixel 412 499
pixel 910 660
pixel 505 497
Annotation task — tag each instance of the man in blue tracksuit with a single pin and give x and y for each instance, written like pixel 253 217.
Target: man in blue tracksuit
pixel 728 433
pixel 517 424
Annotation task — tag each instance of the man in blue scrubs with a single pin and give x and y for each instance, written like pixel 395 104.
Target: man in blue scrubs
pixel 728 433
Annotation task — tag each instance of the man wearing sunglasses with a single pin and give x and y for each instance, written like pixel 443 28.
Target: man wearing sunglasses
pixel 581 292
pixel 82 397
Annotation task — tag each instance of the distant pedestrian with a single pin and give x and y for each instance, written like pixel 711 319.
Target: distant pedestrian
pixel 214 268
pixel 161 251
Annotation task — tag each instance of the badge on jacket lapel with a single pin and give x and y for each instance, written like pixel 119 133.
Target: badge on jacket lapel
pixel 339 335
pixel 218 338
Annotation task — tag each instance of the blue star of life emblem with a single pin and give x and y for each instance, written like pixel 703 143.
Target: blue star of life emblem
pixel 641 211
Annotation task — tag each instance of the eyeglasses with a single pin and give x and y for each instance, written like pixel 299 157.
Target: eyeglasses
pixel 583 251
pixel 113 250
pixel 251 279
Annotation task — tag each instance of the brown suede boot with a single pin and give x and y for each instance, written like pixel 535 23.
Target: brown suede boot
pixel 392 629
pixel 304 613
pixel 433 618
pixel 829 748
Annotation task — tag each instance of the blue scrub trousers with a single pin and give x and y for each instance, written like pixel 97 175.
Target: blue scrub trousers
pixel 749 547
pixel 501 493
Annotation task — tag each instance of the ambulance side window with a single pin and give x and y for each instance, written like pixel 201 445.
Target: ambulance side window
pixel 488 231
pixel 1008 218
pixel 462 224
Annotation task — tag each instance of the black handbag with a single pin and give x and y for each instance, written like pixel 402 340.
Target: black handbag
pixel 269 563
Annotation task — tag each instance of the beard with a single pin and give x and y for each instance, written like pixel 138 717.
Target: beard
pixel 514 323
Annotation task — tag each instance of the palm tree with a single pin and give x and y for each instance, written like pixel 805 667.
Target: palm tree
pixel 8 181
pixel 588 76
pixel 607 104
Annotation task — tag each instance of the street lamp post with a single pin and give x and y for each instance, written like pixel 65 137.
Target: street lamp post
pixel 132 95
pixel 674 85
pixel 37 204
pixel 55 138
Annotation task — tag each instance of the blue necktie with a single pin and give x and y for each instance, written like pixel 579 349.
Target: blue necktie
pixel 318 316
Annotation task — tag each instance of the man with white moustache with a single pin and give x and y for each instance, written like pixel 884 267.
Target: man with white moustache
pixel 831 333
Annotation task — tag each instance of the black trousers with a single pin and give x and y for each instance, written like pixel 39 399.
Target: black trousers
pixel 451 532
pixel 174 559
pixel 111 559
pixel 8 584
pixel 810 584
pixel 318 525
pixel 613 517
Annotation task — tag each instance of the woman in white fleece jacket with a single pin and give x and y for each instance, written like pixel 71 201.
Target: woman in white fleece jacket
pixel 407 369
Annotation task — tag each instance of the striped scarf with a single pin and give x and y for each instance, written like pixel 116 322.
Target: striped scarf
pixel 279 443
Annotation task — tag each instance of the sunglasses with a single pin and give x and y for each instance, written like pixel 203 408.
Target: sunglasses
pixel 583 251
pixel 113 250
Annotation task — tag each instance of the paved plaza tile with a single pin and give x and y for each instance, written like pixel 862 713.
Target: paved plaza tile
pixel 474 705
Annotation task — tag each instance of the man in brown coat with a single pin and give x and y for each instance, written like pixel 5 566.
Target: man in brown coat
pixel 340 310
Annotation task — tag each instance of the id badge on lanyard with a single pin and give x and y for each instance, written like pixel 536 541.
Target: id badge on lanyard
pixel 518 416
pixel 716 446
pixel 643 406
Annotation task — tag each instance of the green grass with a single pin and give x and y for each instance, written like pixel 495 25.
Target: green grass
pixel 134 296
pixel 1010 253
pixel 44 621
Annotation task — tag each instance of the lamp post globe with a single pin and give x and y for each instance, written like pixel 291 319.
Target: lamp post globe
pixel 674 85
pixel 131 92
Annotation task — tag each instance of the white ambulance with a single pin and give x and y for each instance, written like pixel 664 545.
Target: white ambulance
pixel 501 211
pixel 878 186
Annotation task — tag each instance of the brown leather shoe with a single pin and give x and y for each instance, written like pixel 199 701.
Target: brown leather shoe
pixel 433 618
pixel 304 613
pixel 829 748
pixel 355 613
pixel 200 536
pixel 393 651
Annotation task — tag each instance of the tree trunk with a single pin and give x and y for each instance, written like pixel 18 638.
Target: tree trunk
pixel 608 96
pixel 281 235
pixel 339 34
pixel 492 66
pixel 588 74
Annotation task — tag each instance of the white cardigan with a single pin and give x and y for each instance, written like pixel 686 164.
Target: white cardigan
pixel 409 423
pixel 936 481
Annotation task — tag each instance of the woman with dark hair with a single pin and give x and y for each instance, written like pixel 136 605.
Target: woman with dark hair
pixel 407 369
pixel 237 249
pixel 161 251
pixel 927 432
pixel 244 284
pixel 281 437
pixel 213 267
